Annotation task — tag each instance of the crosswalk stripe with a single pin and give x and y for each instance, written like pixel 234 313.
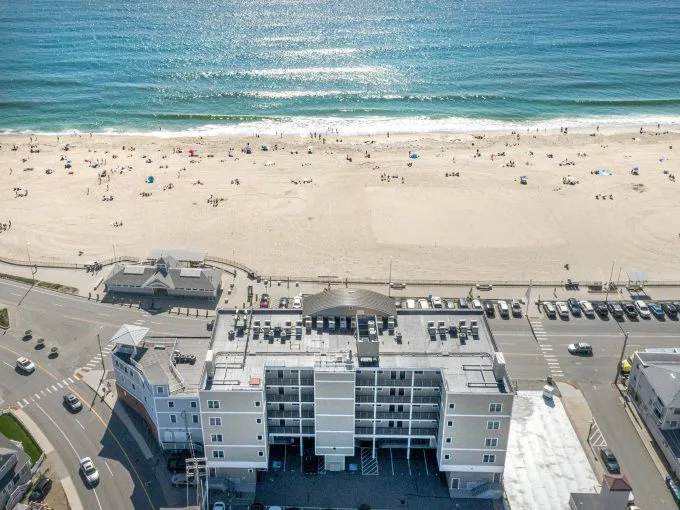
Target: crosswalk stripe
pixel 60 386
pixel 21 406
pixel 42 392
pixel 48 390
pixel 54 387
pixel 71 381
pixel 25 402
pixel 37 395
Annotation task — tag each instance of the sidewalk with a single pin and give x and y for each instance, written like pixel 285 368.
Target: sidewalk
pixel 44 443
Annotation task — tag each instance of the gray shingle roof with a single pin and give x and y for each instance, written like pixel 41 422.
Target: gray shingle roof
pixel 209 279
pixel 665 379
pixel 350 301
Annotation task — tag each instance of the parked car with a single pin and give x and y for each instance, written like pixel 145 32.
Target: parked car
pixel 219 505
pixel 581 348
pixel 177 463
pixel 72 402
pixel 670 310
pixel 422 303
pixel 264 303
pixel 462 302
pixel 297 302
pixel 211 325
pixel 310 462
pixel 40 490
pixel 643 309
pixel 601 309
pixel 587 308
pixel 674 487
pixel 609 460
pixel 410 304
pixel 264 297
pixel 450 303
pixel 562 309
pixel 436 302
pixel 182 480
pixel 25 365
pixel 549 309
pixel 516 308
pixel 89 471
pixel 283 302
pixel 615 309
pixel 489 309
pixel 657 311
pixel 574 306
pixel 630 310
pixel 503 309
pixel 476 304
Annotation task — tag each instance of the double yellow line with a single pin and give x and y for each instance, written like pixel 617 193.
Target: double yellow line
pixel 139 479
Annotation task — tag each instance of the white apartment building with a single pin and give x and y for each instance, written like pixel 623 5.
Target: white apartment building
pixel 347 373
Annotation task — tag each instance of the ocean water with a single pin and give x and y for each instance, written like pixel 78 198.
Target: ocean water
pixel 358 66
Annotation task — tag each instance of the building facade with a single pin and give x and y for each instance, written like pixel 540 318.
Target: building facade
pixel 341 378
pixel 15 472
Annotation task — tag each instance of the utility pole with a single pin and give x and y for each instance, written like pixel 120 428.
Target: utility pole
pixel 623 353
pixel 101 355
pixel 30 265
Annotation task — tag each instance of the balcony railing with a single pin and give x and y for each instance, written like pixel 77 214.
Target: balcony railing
pixel 274 429
pixel 392 431
pixel 291 397
pixel 276 413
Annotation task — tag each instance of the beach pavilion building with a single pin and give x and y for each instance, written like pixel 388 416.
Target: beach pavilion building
pixel 165 275
pixel 337 381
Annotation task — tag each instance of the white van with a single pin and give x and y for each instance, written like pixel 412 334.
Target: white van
pixel 503 309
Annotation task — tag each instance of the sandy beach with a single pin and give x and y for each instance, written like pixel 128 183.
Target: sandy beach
pixel 458 210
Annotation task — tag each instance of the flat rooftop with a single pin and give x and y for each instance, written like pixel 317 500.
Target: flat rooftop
pixel 240 357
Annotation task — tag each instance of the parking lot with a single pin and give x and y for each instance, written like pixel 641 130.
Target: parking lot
pixel 388 481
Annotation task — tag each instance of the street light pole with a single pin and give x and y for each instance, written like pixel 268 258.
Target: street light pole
pixel 389 284
pixel 609 283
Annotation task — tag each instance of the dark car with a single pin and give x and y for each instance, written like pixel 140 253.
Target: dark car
pixel 657 311
pixel 310 463
pixel 629 309
pixel 210 325
pixel 670 310
pixel 609 460
pixel 283 302
pixel 574 307
pixel 601 308
pixel 72 402
pixel 40 490
pixel 177 464
pixel 489 308
pixel 615 309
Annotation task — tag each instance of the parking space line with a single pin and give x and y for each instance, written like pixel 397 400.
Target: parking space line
pixel 10 366
pixel 427 470
pixel 392 461
pixel 285 457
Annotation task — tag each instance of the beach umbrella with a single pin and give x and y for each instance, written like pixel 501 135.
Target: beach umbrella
pixel 150 179
pixel 414 156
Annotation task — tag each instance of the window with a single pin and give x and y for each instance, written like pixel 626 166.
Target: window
pixel 134 387
pixel 215 421
pixel 455 482
pixel 260 454
pixel 259 420
pixel 488 459
pixel 194 418
pixel 448 439
pixel 213 404
pixel 194 404
pixel 259 437
pixel 495 408
pixel 497 477
pixel 258 403
pixel 159 390
pixel 218 454
pixel 452 406
pixel 491 442
pixel 493 425
pixel 173 418
pixel 449 423
pixel 216 438
pixel 171 404
pixel 447 456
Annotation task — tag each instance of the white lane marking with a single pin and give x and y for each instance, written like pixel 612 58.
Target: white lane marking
pixel 109 468
pixel 104 314
pixel 70 444
pixel 81 425
pixel 10 366
pixel 15 294
pixel 54 387
pixel 57 304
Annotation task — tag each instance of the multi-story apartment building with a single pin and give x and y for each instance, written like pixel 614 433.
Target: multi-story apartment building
pixel 654 389
pixel 348 371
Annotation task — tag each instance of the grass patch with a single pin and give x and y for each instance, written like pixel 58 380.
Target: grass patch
pixel 46 285
pixel 13 429
pixel 4 318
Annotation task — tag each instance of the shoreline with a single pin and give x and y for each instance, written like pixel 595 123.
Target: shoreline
pixel 454 213
pixel 349 127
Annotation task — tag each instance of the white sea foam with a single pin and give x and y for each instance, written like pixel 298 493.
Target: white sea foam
pixel 321 52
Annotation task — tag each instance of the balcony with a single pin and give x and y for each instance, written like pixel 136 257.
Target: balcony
pixel 427 383
pixel 288 381
pixel 277 430
pixel 276 413
pixel 393 431
pixel 274 397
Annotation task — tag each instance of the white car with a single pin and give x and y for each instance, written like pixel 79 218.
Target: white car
pixel 25 365
pixel 422 303
pixel 476 304
pixel 89 471
pixel 297 302
pixel 436 302
pixel 503 309
pixel 181 480
pixel 562 309
pixel 587 308
pixel 643 309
